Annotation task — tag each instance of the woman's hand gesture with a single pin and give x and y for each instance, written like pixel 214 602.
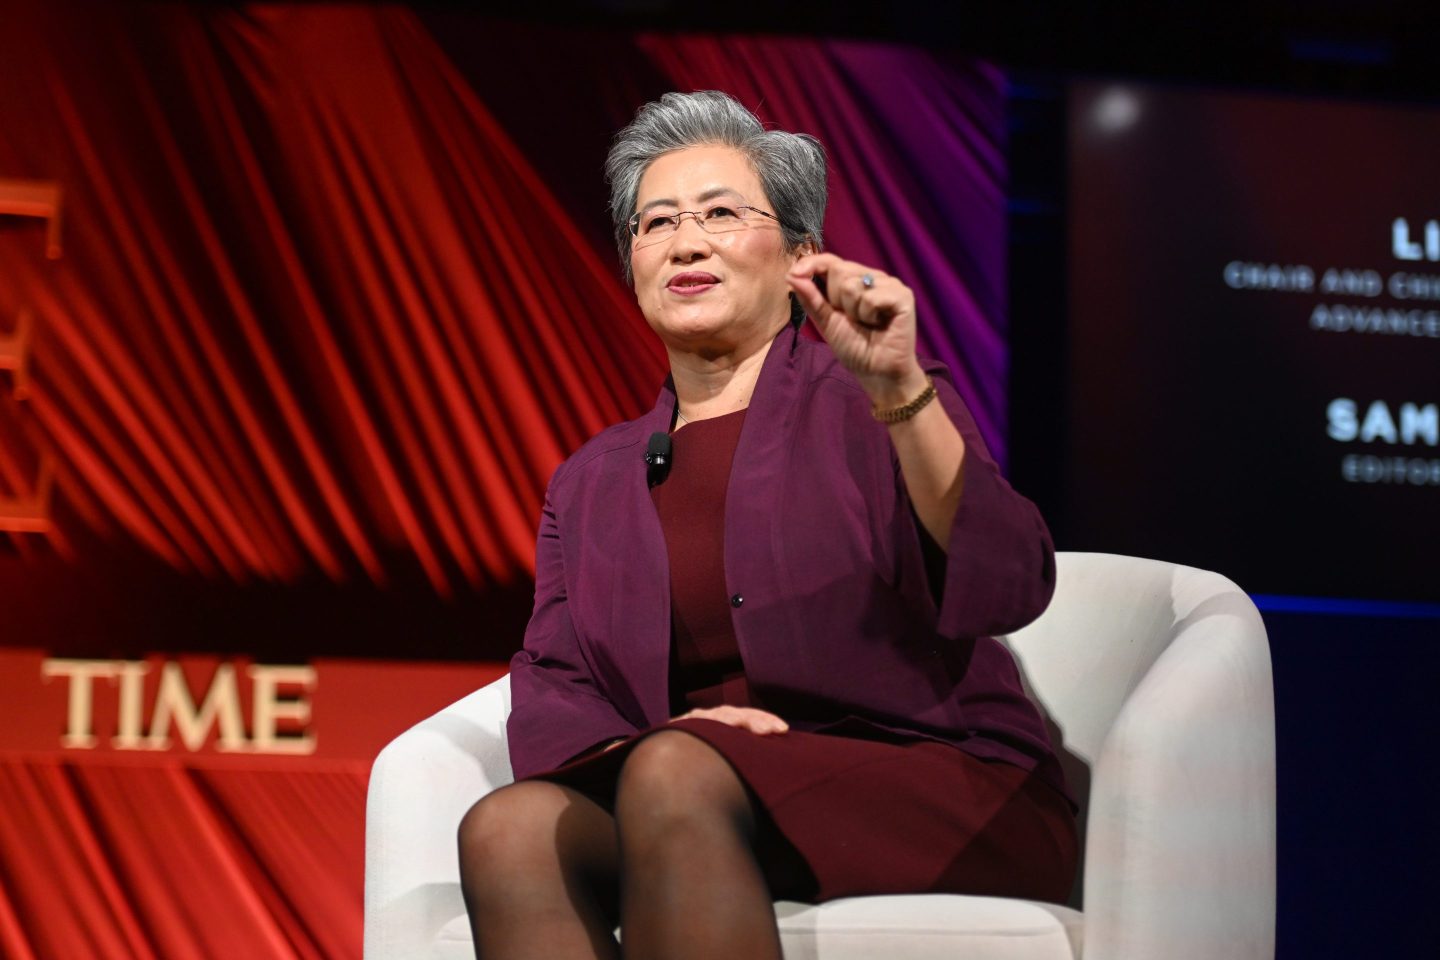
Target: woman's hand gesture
pixel 868 318
pixel 760 722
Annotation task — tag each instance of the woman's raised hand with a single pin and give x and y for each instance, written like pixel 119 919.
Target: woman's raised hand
pixel 761 722
pixel 870 326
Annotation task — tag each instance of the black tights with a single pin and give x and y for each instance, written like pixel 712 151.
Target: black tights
pixel 548 872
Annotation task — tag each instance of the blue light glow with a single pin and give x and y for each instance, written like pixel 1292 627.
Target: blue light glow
pixel 1278 603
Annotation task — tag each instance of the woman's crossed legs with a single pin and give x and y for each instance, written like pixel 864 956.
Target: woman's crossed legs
pixel 546 871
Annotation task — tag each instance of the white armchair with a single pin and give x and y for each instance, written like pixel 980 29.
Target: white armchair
pixel 1156 680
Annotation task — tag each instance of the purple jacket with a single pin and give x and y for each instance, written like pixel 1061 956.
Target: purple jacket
pixel 835 611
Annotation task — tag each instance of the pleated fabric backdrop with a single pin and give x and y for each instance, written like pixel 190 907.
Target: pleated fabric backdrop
pixel 169 862
pixel 315 311
pixel 918 177
pixel 319 316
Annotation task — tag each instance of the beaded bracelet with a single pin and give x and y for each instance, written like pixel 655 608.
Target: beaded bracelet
pixel 904 412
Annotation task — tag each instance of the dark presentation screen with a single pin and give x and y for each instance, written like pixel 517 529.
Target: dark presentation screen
pixel 1255 338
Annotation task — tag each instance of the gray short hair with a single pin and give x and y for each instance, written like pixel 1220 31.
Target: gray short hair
pixel 791 166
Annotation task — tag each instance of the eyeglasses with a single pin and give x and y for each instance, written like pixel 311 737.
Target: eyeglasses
pixel 657 226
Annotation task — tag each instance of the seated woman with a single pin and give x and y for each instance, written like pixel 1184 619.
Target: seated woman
pixel 763 670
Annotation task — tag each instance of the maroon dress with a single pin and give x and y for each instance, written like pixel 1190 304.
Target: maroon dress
pixel 867 814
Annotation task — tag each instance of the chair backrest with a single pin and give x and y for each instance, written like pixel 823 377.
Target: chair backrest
pixel 1108 623
pixel 1110 620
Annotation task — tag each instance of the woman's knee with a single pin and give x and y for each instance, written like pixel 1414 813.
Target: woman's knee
pixel 674 775
pixel 516 820
pixel 538 850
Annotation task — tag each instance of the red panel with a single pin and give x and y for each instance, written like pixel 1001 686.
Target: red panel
pixel 186 852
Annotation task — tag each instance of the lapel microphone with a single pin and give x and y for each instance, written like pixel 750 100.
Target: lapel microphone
pixel 657 456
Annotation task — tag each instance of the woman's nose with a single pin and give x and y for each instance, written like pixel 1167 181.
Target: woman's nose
pixel 688 243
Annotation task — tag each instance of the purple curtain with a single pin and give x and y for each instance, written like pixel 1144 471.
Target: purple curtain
pixel 917 176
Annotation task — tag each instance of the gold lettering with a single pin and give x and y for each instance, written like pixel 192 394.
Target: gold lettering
pixel 269 708
pixel 36 198
pixel 15 353
pixel 30 514
pixel 222 704
pixel 128 735
pixel 280 713
pixel 80 710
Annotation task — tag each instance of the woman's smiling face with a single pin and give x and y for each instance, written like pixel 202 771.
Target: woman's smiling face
pixel 710 292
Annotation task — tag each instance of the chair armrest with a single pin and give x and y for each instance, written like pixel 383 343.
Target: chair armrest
pixel 1180 854
pixel 421 785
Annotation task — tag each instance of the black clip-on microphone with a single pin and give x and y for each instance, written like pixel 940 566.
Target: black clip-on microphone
pixel 657 456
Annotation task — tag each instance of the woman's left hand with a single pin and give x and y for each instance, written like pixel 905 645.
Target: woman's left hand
pixel 757 721
pixel 870 328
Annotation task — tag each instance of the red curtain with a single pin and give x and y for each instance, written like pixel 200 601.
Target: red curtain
pixel 168 862
pixel 315 313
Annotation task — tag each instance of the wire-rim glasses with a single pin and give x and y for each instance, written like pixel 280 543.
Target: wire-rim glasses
pixel 656 226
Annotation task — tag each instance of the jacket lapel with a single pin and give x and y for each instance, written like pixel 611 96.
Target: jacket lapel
pixel 650 620
pixel 753 507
